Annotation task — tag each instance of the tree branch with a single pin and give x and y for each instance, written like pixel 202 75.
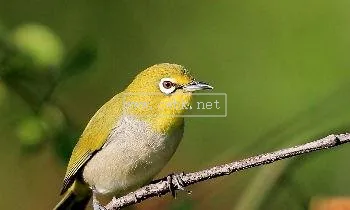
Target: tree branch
pixel 162 186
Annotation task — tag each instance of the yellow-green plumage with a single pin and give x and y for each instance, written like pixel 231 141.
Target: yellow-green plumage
pixel 123 148
pixel 93 138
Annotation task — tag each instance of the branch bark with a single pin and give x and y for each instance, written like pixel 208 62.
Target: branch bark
pixel 162 186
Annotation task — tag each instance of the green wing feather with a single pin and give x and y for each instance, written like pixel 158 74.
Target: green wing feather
pixel 93 138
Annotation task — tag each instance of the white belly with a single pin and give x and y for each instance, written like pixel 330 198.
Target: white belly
pixel 132 156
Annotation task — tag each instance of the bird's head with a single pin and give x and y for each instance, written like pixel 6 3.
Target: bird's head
pixel 161 94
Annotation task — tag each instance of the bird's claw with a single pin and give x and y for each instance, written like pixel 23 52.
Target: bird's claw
pixel 175 182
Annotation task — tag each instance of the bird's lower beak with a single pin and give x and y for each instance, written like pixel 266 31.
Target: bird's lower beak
pixel 194 86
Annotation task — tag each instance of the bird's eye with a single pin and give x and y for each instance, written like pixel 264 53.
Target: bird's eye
pixel 167 85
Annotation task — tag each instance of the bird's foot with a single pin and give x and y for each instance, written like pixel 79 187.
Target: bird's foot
pixel 96 204
pixel 175 182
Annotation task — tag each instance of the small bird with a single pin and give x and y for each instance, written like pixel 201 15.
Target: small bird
pixel 131 137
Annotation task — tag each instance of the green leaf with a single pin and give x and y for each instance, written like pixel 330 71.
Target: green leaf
pixel 79 59
pixel 40 43
pixel 30 131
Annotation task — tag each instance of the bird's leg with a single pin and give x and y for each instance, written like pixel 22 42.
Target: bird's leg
pixel 95 203
pixel 175 182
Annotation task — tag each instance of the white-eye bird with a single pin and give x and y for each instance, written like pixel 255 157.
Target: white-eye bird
pixel 131 137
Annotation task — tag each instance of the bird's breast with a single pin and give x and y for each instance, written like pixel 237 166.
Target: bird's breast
pixel 132 155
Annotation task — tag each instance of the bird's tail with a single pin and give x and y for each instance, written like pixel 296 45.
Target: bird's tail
pixel 76 197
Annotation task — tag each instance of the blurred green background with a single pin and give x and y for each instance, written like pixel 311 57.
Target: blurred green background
pixel 284 65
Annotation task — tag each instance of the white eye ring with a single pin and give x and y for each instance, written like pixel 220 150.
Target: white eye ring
pixel 167 85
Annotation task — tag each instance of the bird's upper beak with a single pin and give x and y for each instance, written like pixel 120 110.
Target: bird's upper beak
pixel 195 85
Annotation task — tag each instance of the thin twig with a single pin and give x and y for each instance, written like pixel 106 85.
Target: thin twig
pixel 161 187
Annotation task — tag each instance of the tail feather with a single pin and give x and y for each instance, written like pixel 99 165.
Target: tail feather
pixel 75 198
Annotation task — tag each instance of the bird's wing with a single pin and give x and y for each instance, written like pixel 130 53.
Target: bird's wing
pixel 93 138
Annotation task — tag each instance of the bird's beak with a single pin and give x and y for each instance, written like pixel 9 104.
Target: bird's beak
pixel 195 85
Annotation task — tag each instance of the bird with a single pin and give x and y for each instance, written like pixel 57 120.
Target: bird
pixel 131 137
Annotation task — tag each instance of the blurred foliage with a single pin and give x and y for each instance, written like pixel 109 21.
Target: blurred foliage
pixel 30 131
pixel 34 65
pixel 283 64
pixel 40 44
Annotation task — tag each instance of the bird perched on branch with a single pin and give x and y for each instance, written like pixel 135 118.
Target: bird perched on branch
pixel 131 137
